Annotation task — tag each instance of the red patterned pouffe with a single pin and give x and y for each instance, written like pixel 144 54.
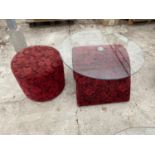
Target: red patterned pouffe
pixel 101 77
pixel 39 71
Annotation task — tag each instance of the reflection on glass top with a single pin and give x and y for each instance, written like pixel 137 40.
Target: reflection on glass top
pixel 99 55
pixel 138 131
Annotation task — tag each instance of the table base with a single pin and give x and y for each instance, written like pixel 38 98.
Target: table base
pixel 90 91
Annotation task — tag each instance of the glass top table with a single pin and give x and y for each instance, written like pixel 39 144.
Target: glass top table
pixel 100 55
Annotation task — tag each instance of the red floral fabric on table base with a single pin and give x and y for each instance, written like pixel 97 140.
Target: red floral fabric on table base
pixel 100 85
pixel 91 91
pixel 39 71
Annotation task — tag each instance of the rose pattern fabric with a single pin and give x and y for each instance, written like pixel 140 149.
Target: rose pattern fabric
pixel 39 71
pixel 91 90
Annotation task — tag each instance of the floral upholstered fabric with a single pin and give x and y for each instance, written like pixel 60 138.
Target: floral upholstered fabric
pixel 39 71
pixel 104 68
pixel 91 91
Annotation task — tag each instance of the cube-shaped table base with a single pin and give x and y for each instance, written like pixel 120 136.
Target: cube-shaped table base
pixel 90 91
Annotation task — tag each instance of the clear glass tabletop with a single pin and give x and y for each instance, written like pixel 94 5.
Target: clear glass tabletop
pixel 138 131
pixel 101 55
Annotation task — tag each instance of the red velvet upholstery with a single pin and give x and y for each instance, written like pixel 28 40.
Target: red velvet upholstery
pixel 39 71
pixel 91 91
pixel 96 83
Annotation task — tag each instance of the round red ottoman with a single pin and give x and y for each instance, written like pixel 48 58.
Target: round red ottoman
pixel 39 71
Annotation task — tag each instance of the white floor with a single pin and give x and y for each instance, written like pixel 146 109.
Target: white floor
pixel 19 115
